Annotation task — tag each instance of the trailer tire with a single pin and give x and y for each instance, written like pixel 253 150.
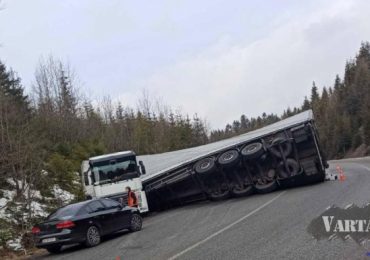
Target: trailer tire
pixel 252 151
pixel 266 188
pixel 285 145
pixel 217 190
pixel 293 167
pixel 223 196
pixel 247 190
pixel 205 166
pixel 229 159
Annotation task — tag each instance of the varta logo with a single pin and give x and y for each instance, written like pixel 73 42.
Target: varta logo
pixel 346 225
pixel 351 222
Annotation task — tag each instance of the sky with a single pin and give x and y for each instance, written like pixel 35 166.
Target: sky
pixel 219 59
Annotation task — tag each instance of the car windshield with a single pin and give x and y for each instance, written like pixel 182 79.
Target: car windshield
pixel 115 170
pixel 66 212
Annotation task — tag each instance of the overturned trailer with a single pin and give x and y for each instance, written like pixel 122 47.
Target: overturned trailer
pixel 286 153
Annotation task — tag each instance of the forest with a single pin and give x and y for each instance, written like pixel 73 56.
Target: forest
pixel 342 111
pixel 46 131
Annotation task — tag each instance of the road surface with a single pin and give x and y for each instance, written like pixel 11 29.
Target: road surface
pixel 271 226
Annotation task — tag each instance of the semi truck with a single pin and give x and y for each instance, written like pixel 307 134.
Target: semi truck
pixel 286 153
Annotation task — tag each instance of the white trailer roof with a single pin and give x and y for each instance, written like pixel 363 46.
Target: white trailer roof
pixel 157 164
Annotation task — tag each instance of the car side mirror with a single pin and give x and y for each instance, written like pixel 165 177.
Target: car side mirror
pixel 142 167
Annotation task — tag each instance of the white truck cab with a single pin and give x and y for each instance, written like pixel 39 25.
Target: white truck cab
pixel 108 175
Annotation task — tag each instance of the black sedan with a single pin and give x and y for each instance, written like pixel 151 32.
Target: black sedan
pixel 85 222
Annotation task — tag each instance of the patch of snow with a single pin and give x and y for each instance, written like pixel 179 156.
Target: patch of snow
pixel 8 196
pixel 3 202
pixel 14 244
pixel 10 181
pixel 36 194
pixel 63 195
pixel 38 209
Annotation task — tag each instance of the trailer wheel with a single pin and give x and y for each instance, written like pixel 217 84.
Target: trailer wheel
pixel 267 183
pixel 266 188
pixel 206 165
pixel 293 168
pixel 229 159
pixel 216 188
pixel 252 151
pixel 240 190
pixel 221 192
pixel 285 145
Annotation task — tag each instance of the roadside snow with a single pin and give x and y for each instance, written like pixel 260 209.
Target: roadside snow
pixel 8 196
pixel 36 208
pixel 63 195
pixel 15 244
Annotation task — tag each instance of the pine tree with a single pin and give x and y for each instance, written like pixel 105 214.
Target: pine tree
pixel 306 104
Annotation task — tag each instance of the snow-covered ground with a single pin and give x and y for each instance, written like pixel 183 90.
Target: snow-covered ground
pixel 15 244
pixel 37 209
pixel 63 195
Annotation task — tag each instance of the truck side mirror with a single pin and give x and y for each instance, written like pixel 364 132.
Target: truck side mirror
pixel 142 167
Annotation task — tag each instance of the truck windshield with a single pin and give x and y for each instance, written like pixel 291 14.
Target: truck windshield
pixel 114 170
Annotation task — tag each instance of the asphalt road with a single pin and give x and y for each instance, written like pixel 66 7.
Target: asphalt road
pixel 271 226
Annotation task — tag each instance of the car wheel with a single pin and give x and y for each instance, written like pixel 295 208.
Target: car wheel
pixel 136 222
pixel 285 145
pixel 92 236
pixel 54 249
pixel 229 159
pixel 252 151
pixel 204 166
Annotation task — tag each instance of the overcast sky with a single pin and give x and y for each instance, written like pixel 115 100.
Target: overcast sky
pixel 220 59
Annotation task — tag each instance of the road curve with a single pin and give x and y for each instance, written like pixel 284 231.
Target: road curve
pixel 271 226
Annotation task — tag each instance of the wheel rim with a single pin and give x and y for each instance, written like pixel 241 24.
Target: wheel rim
pixel 205 165
pixel 252 148
pixel 93 235
pixel 228 156
pixel 135 222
